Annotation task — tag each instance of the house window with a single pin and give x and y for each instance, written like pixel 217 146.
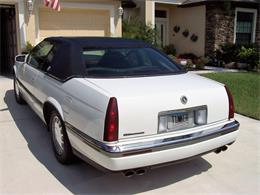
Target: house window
pixel 160 14
pixel 245 26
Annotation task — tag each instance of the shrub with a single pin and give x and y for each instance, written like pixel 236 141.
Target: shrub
pixel 189 65
pixel 229 52
pixel 175 59
pixel 190 56
pixel 28 48
pixel 201 62
pixel 133 28
pixel 249 56
pixel 169 50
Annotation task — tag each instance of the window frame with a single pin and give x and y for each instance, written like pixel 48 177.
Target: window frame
pixel 246 10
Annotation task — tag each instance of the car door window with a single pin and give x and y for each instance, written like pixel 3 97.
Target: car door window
pixel 39 55
pixel 47 66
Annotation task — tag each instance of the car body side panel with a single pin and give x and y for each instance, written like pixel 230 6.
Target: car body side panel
pixel 26 84
pixel 87 107
pixel 79 104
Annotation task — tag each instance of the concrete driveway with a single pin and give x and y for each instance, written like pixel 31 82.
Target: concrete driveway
pixel 27 163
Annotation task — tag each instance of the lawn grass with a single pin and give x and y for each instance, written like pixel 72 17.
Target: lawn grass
pixel 245 88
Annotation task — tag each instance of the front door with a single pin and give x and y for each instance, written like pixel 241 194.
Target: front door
pixel 161 27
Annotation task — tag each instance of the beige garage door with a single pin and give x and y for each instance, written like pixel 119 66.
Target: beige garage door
pixel 73 22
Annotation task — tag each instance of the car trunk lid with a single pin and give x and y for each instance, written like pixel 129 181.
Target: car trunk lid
pixel 141 99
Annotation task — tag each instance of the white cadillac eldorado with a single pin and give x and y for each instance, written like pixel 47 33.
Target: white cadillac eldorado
pixel 122 104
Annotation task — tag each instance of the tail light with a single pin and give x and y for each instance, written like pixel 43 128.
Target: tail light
pixel 231 104
pixel 111 121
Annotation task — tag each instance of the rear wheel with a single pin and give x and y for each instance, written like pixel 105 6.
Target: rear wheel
pixel 17 94
pixel 60 140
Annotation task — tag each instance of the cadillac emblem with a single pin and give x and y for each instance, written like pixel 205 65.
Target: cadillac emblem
pixel 184 99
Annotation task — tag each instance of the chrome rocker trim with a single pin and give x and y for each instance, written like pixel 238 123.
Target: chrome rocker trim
pixel 123 149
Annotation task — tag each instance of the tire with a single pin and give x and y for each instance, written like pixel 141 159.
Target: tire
pixel 17 94
pixel 60 141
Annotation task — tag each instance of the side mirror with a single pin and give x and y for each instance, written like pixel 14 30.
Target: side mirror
pixel 20 58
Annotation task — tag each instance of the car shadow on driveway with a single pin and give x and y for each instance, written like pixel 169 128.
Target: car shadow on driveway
pixel 82 178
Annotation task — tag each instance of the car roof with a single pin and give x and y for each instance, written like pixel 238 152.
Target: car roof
pixel 100 42
pixel 68 60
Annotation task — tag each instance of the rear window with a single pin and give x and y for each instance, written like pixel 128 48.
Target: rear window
pixel 123 62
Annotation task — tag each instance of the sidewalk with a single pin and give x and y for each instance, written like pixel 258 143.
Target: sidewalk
pixel 211 69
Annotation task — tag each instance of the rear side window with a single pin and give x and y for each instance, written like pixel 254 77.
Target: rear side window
pixel 113 62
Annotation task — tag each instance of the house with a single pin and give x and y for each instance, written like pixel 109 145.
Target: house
pixel 30 21
pixel 200 26
pixel 196 26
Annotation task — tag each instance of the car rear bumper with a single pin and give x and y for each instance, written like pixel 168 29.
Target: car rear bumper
pixel 151 151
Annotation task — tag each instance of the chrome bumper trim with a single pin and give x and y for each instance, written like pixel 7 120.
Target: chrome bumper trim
pixel 123 149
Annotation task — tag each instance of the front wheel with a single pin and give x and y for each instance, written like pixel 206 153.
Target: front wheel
pixel 17 94
pixel 60 140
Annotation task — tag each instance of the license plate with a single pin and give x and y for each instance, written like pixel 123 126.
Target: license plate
pixel 177 120
pixel 182 119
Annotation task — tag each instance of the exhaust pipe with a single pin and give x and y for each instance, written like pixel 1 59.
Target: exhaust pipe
pixel 221 149
pixel 128 173
pixel 140 171
pixel 217 151
pixel 224 148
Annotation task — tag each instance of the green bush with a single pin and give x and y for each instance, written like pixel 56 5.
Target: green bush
pixel 174 58
pixel 169 50
pixel 249 56
pixel 229 52
pixel 189 65
pixel 190 56
pixel 28 48
pixel 133 28
pixel 202 62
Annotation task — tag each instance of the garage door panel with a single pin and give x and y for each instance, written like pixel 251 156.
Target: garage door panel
pixel 73 22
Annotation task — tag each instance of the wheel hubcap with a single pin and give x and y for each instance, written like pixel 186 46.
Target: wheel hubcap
pixel 58 135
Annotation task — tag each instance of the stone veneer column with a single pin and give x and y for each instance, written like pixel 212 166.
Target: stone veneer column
pixel 219 26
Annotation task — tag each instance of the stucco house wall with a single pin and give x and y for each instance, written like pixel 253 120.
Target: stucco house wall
pixel 193 19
